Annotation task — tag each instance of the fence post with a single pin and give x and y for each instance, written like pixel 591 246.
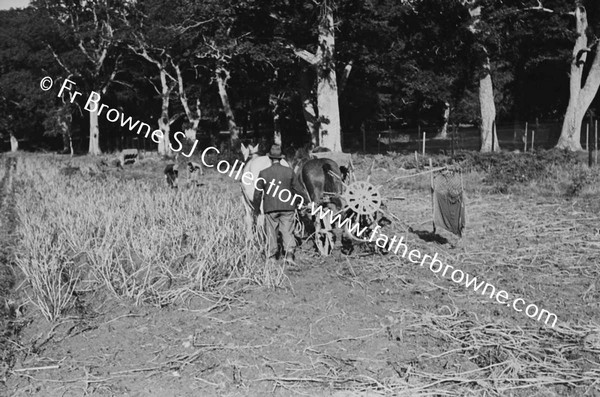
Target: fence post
pixel 537 128
pixel 364 137
pixel 525 138
pixel 596 142
pixel 587 134
pixel 424 139
pixel 493 135
pixel 454 137
pixel 532 139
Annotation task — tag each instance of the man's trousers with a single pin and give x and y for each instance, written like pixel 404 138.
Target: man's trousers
pixel 282 221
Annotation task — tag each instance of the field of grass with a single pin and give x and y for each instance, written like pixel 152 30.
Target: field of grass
pixel 124 287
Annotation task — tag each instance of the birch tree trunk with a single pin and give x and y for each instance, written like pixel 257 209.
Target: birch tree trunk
pixel 163 144
pixel 488 111
pixel 163 121
pixel 327 93
pixel 487 106
pixel 581 93
pixel 65 138
pixel 94 145
pixel 64 121
pixel 443 134
pixel 193 117
pixel 274 103
pixel 192 128
pixel 222 76
pixel 14 143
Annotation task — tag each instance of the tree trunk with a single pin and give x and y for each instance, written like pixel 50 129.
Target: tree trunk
pixel 327 94
pixel 191 128
pixel 581 94
pixel 64 121
pixel 222 75
pixel 443 134
pixel 14 143
pixel 94 146
pixel 488 111
pixel 308 108
pixel 273 102
pixel 486 88
pixel 163 121
pixel 163 144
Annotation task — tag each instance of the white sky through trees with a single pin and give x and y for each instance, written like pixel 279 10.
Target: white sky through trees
pixel 6 4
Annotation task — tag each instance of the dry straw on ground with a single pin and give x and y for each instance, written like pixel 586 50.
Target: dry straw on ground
pixel 137 240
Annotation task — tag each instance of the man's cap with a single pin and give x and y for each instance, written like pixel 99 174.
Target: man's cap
pixel 275 152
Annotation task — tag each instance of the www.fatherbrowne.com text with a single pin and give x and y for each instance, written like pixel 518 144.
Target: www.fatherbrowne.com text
pixel 393 245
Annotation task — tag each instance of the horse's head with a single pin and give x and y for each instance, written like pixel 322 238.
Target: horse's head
pixel 245 151
pixel 298 159
pixel 249 151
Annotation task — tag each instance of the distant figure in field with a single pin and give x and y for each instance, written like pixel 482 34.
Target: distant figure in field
pixel 195 171
pixel 171 175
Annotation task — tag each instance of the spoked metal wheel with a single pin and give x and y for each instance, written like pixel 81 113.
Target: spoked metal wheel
pixel 363 202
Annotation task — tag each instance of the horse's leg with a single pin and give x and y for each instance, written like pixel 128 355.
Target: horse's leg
pixel 336 231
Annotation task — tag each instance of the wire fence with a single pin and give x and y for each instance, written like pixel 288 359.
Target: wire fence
pixel 382 137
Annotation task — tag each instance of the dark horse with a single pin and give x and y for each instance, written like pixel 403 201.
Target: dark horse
pixel 322 179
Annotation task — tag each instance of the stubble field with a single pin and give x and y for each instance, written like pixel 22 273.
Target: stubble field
pixel 123 287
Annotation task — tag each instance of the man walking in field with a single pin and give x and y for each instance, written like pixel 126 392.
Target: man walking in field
pixel 279 215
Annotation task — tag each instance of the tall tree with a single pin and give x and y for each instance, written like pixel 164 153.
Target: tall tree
pixel 151 41
pixel 432 62
pixel 222 41
pixel 487 105
pixel 584 83
pixel 167 84
pixel 93 27
pixel 570 19
pixel 329 125
pixel 24 60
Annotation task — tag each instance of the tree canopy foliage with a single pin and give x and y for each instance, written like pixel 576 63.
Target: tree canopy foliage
pixel 403 59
